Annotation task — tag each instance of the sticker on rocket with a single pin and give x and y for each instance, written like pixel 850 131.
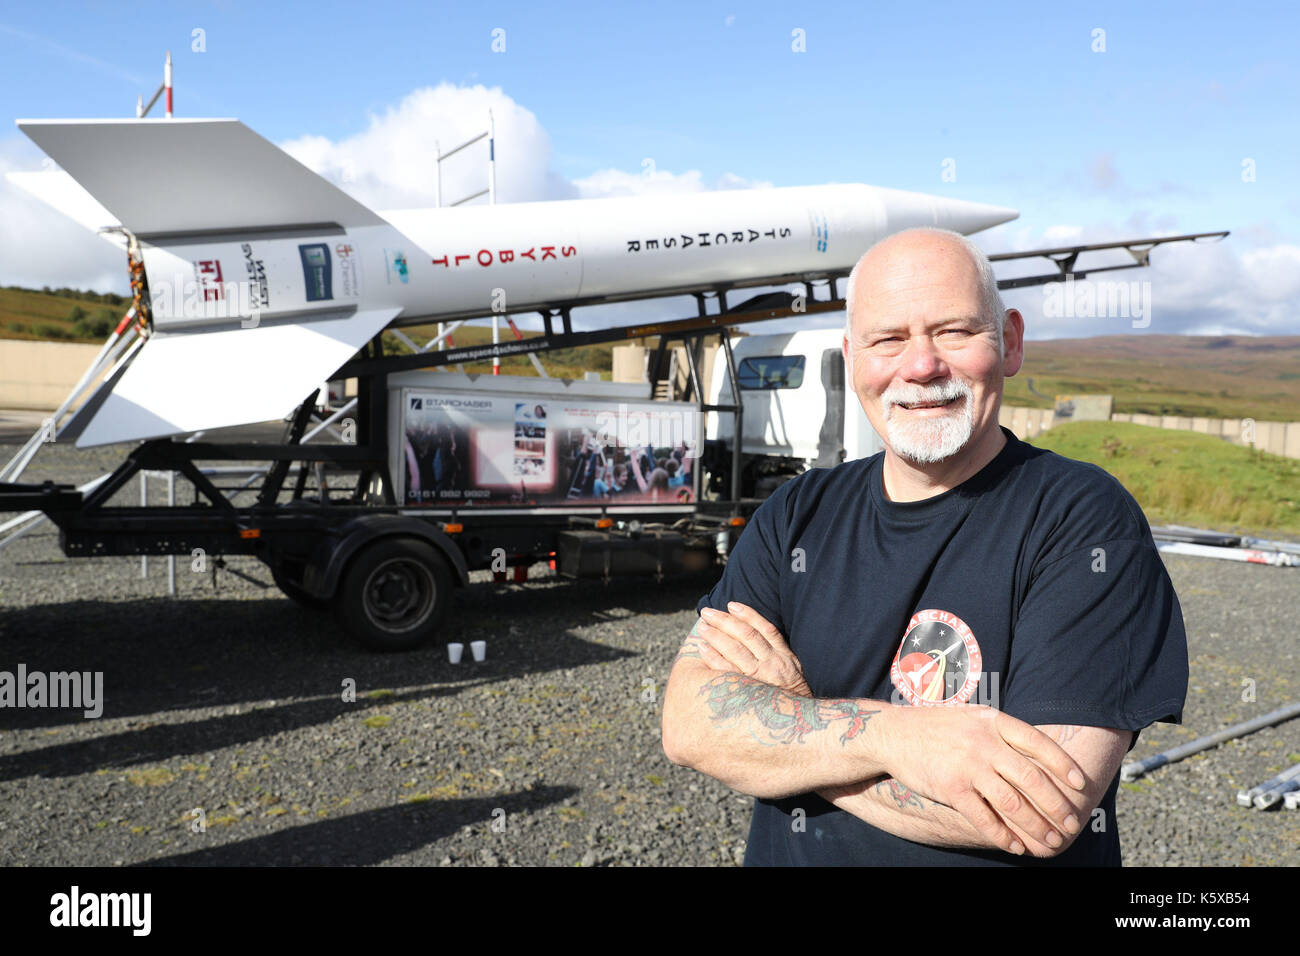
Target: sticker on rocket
pixel 938 661
pixel 316 271
pixel 821 230
pixel 395 265
pixel 208 274
pixel 349 269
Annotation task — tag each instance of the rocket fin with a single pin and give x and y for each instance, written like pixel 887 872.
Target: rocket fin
pixel 168 176
pixel 194 381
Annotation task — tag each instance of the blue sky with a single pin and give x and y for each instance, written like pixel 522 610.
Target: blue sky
pixel 1147 137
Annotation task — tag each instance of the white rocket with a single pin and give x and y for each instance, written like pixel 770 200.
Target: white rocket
pixel 265 278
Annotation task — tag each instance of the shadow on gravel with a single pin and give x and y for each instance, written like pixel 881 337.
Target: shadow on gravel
pixel 158 655
pixel 364 839
pixel 155 743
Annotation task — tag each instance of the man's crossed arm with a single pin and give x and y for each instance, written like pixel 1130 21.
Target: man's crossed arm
pixel 889 805
pixel 737 707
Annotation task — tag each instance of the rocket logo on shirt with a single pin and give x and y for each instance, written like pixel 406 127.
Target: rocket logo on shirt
pixel 938 661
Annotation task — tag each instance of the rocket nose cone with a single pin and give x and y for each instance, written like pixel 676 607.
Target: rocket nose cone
pixel 907 210
pixel 968 217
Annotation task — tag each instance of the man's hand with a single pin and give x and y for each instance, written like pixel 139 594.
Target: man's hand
pixel 743 640
pixel 995 770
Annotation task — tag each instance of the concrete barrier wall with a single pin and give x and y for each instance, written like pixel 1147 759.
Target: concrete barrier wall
pixel 1025 423
pixel 1276 438
pixel 630 361
pixel 39 375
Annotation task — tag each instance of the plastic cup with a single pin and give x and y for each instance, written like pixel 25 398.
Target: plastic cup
pixel 479 650
pixel 454 652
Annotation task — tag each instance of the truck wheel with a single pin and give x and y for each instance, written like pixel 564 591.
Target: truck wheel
pixel 394 594
pixel 296 594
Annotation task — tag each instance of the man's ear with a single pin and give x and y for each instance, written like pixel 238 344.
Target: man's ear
pixel 1013 343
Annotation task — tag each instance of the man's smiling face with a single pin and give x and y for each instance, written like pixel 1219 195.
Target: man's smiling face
pixel 924 354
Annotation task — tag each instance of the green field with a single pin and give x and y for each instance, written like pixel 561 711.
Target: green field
pixel 559 363
pixel 1194 375
pixel 1212 376
pixel 69 315
pixel 66 315
pixel 1188 478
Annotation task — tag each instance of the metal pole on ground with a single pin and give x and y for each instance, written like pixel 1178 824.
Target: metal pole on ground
pixel 1277 559
pixel 1272 791
pixel 1131 771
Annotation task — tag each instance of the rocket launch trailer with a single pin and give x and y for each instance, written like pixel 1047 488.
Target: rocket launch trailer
pixel 254 280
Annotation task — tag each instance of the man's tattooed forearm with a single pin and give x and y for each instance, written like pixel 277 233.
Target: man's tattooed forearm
pixel 901 795
pixel 786 717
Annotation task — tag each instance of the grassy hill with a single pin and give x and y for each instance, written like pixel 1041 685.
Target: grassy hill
pixel 559 363
pixel 1188 478
pixel 1215 376
pixel 70 315
pixel 59 314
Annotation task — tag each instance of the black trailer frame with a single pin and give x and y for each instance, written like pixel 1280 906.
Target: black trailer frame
pixel 311 541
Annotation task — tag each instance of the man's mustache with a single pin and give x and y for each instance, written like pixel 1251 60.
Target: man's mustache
pixel 947 391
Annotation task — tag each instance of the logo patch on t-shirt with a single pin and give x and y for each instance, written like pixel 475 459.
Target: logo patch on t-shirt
pixel 938 661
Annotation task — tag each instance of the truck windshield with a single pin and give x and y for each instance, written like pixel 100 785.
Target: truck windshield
pixel 771 371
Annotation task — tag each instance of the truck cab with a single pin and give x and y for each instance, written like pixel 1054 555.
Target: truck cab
pixel 798 411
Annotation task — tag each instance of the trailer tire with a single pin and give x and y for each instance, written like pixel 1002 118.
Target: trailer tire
pixel 394 594
pixel 296 594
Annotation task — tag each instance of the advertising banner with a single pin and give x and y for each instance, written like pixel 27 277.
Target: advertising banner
pixel 478 450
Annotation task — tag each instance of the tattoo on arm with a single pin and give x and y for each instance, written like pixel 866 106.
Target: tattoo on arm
pixel 902 796
pixel 1067 732
pixel 690 646
pixel 787 718
pixel 688 650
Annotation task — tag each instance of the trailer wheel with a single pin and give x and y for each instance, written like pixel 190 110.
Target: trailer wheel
pixel 394 594
pixel 296 594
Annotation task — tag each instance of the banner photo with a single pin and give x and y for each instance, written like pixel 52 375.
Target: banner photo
pixel 480 450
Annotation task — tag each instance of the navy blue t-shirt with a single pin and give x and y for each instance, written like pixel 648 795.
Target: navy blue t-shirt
pixel 1034 587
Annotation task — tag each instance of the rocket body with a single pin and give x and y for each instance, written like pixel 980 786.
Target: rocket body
pixel 438 263
pixel 265 278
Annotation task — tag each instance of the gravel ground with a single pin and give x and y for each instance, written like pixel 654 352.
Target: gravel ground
pixel 231 702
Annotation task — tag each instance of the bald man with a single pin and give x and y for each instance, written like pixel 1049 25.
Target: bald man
pixel 940 654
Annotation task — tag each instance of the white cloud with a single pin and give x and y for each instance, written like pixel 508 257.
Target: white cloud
pixel 1102 171
pixel 656 182
pixel 391 165
pixel 1274 273
pixel 39 246
pixel 1201 288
